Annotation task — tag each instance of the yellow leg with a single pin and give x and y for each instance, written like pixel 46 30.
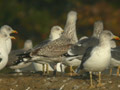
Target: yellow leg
pixel 43 69
pixel 99 81
pixel 118 71
pixel 91 82
pixel 47 68
pixel 110 71
pixel 74 73
pixel 71 70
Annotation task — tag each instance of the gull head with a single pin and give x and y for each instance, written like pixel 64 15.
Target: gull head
pixel 98 28
pixel 5 29
pixel 108 35
pixel 28 44
pixel 56 32
pixel 72 15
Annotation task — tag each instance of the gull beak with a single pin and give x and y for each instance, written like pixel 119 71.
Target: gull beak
pixel 14 31
pixel 116 38
pixel 12 37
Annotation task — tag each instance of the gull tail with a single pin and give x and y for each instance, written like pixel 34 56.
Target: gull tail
pixel 24 55
pixel 21 62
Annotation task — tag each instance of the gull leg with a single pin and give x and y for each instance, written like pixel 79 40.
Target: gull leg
pixel 47 69
pixel 73 72
pixel 55 71
pixel 99 81
pixel 43 69
pixel 91 82
pixel 118 71
pixel 110 71
pixel 61 67
pixel 71 69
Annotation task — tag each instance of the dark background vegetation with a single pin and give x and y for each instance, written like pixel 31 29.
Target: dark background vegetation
pixel 33 19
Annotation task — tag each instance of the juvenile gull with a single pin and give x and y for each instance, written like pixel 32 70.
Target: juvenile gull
pixel 56 32
pixel 5 29
pixel 53 51
pixel 97 58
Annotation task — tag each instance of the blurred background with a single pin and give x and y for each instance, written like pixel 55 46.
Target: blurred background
pixel 33 19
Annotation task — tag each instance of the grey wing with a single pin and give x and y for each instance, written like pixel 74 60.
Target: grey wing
pixel 81 46
pixel 89 42
pixel 52 49
pixel 115 52
pixel 116 49
pixel 78 50
pixel 85 58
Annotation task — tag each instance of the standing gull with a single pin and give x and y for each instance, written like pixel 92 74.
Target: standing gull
pixel 56 32
pixel 97 58
pixel 53 51
pixel 4 50
pixel 5 29
pixel 80 47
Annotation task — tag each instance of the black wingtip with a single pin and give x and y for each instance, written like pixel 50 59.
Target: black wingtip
pixel 20 59
pixel 67 55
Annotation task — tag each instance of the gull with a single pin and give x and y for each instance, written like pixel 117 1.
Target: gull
pixel 53 51
pixel 80 47
pixel 4 50
pixel 13 54
pixel 97 58
pixel 115 60
pixel 56 32
pixel 7 30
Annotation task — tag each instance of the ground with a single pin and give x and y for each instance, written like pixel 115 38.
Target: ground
pixel 35 81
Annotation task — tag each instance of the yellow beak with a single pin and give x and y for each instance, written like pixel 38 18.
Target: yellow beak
pixel 14 31
pixel 12 37
pixel 116 38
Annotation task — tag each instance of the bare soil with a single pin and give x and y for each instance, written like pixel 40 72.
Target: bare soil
pixel 35 81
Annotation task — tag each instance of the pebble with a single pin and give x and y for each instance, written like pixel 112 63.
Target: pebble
pixel 48 78
pixel 68 78
pixel 75 87
pixel 45 80
pixel 0 80
pixel 103 87
pixel 16 85
pixel 84 83
pixel 11 89
pixel 64 81
pixel 110 82
pixel 47 84
pixel 28 88
pixel 118 86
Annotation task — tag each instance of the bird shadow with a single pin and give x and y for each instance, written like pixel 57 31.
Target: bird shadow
pixel 85 76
